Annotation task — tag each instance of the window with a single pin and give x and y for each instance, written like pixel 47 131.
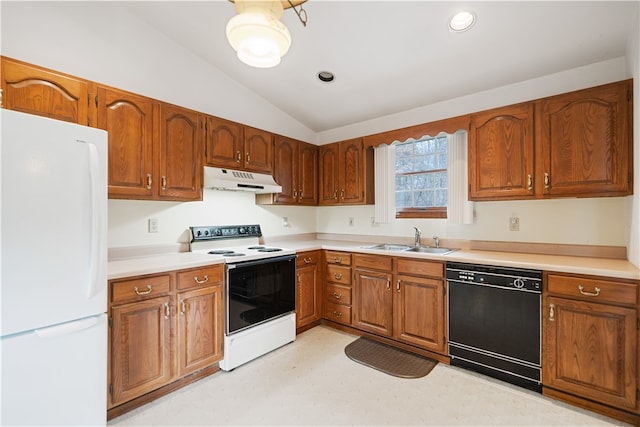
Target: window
pixel 421 178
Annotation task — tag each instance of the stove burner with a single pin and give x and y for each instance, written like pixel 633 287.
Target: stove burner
pixel 255 247
pixel 220 252
pixel 234 254
pixel 269 250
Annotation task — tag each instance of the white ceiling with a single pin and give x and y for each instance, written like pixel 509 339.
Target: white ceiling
pixel 393 56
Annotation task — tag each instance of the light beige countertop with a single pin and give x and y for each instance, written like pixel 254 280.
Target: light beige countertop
pixel 617 268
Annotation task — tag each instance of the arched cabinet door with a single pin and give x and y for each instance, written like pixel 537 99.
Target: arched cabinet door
pixel 128 119
pixel 43 92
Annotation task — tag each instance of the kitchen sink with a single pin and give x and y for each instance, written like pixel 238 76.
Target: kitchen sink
pixel 407 248
pixel 389 247
pixel 430 250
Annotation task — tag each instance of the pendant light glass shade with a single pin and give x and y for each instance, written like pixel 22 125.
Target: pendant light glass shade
pixel 257 34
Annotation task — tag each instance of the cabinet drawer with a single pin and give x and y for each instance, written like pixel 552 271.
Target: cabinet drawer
pixel 139 289
pixel 593 289
pixel 420 268
pixel 338 294
pixel 375 262
pixel 201 277
pixel 338 274
pixel 341 258
pixel 307 258
pixel 337 313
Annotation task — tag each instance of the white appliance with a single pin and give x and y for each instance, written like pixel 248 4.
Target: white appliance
pixel 260 289
pixel 53 288
pixel 234 180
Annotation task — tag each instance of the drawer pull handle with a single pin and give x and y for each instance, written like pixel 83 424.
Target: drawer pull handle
pixel 587 293
pixel 164 182
pixel 149 181
pixel 552 312
pixel 547 181
pixel 337 276
pixel 307 260
pixel 183 309
pixel 337 295
pixel 388 284
pixel 337 260
pixel 529 182
pixel 167 311
pixel 200 282
pixel 398 286
pixel 139 292
pixel 248 158
pixel 238 156
pixel 337 314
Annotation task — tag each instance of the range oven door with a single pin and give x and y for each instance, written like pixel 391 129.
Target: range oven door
pixel 258 291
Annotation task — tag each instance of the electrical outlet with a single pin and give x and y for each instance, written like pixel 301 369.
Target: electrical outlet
pixel 285 221
pixel 514 223
pixel 351 221
pixel 153 225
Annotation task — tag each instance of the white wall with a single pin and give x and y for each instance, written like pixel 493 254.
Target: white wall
pixel 633 208
pixel 101 42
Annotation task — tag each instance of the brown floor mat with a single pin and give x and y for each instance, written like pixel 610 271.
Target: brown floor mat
pixel 389 360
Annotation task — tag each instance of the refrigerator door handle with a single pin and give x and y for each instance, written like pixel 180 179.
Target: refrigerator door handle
pixel 96 219
pixel 67 328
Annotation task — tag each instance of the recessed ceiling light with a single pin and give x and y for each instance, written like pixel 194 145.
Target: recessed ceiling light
pixel 326 76
pixel 462 21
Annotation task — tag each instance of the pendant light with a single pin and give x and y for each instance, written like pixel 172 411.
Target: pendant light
pixel 257 34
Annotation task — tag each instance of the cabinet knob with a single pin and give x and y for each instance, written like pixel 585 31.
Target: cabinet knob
pixel 337 314
pixel 307 260
pixel 337 295
pixel 337 276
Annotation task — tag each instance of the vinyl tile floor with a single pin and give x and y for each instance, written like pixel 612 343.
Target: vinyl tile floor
pixel 311 382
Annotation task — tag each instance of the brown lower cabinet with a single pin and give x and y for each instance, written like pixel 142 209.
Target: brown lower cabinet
pixel 590 340
pixel 164 328
pixel 402 299
pixel 308 289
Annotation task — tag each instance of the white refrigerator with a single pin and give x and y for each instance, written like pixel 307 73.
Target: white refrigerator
pixel 53 278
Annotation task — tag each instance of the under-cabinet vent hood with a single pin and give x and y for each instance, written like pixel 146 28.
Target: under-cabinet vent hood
pixel 234 180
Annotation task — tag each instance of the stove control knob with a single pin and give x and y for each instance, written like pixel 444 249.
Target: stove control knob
pixel 518 283
pixel 242 230
pixel 218 232
pixel 198 233
pixel 206 232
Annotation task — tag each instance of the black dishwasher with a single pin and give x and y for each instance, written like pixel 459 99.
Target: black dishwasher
pixel 494 321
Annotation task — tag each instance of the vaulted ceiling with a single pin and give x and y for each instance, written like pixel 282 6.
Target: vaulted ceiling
pixel 393 56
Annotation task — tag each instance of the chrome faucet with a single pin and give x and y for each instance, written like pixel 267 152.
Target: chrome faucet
pixel 436 239
pixel 418 234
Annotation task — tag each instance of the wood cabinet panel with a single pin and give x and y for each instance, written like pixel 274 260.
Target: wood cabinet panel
pixel 130 290
pixel 258 145
pixel 375 262
pixel 421 312
pixel 308 288
pixel 590 350
pixel 339 274
pixel 338 294
pixel 337 313
pixel 224 144
pixel 180 161
pixel 307 174
pixel 200 328
pixel 351 172
pixel 346 173
pixel 585 144
pixel 501 153
pixel 286 170
pixel 420 267
pixel 141 348
pixel 593 289
pixel 341 258
pixel 43 92
pixel 373 305
pixel 200 277
pixel 328 175
pixel 129 121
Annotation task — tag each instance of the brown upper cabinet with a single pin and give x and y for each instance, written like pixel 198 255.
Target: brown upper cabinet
pixel 234 146
pixel 346 173
pixel 296 170
pixel 576 144
pixel 44 92
pixel 129 121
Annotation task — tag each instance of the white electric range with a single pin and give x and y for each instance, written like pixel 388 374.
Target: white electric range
pixel 259 295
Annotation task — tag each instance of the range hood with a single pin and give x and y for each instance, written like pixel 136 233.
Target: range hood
pixel 234 180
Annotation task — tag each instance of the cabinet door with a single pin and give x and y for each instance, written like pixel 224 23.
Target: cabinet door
pixel 128 119
pixel 285 170
pixel 308 295
pixel 590 350
pixel 373 305
pixel 200 332
pixel 420 312
pixel 328 175
pixel 351 171
pixel 501 153
pixel 180 165
pixel 307 174
pixel 224 144
pixel 258 146
pixel 585 142
pixel 43 92
pixel 141 348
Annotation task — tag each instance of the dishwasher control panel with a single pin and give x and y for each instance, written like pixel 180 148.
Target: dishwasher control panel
pixel 503 277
